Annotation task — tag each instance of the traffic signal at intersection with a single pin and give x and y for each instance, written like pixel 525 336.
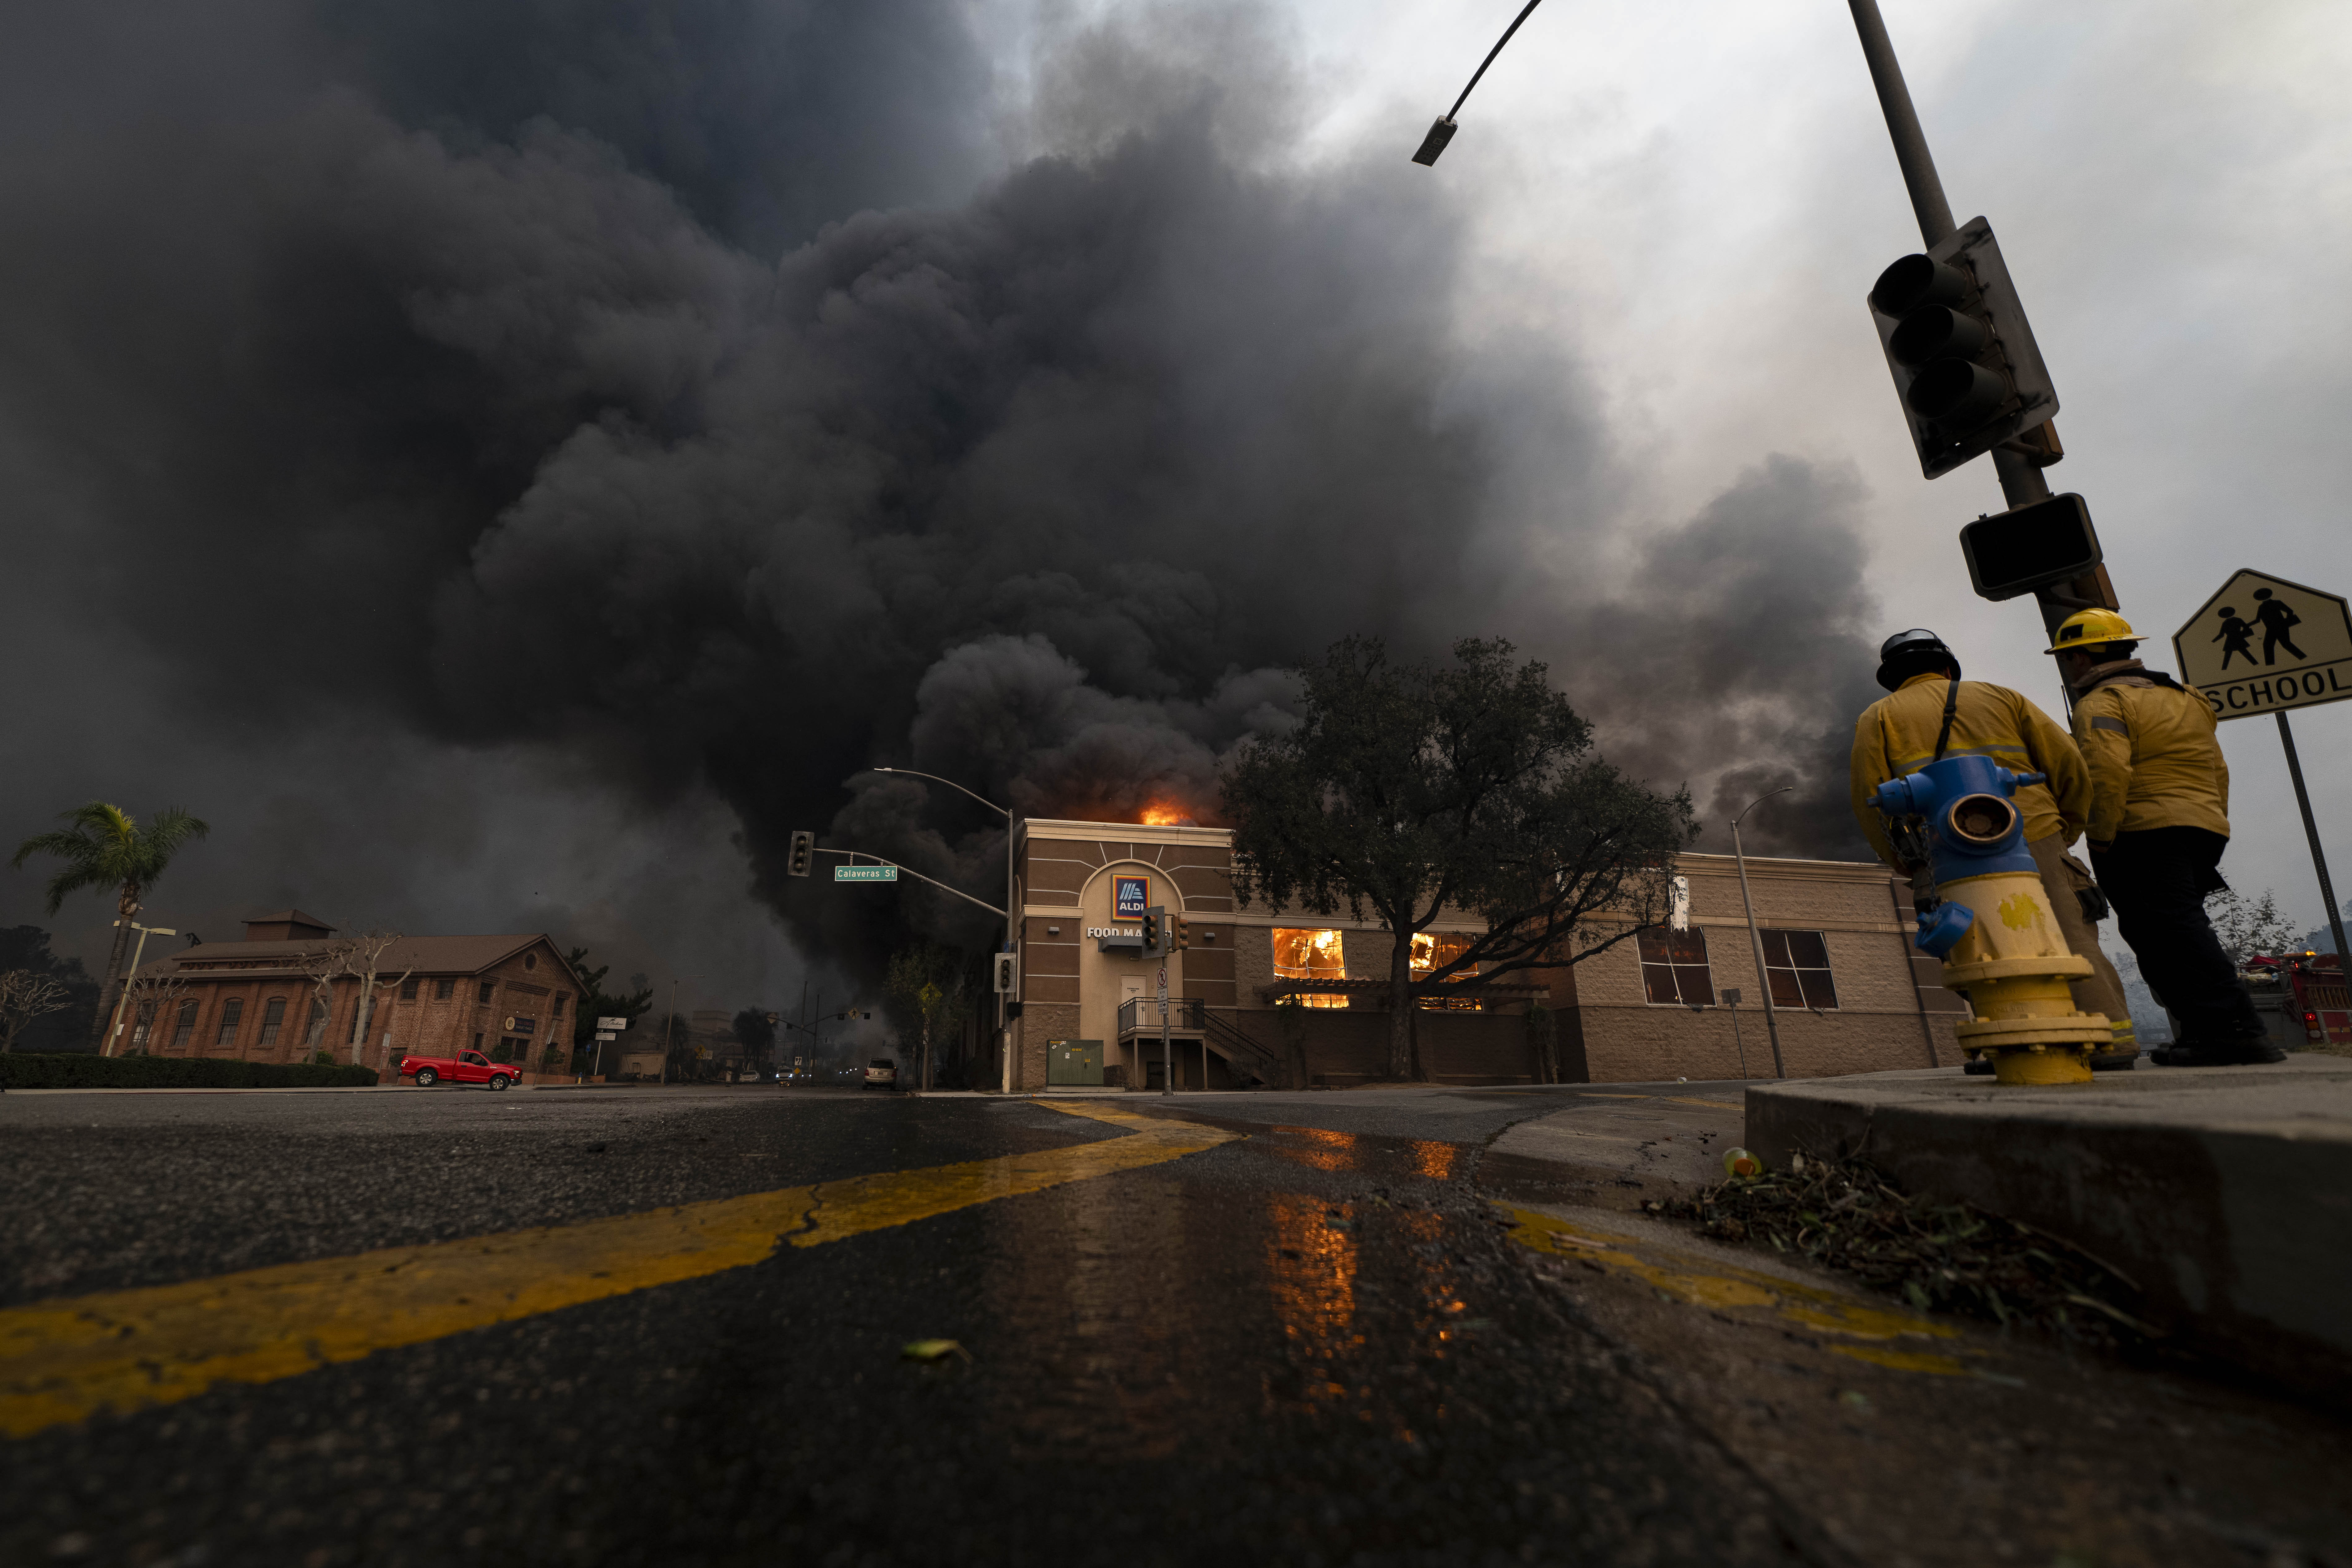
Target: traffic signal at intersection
pixel 2031 546
pixel 1183 932
pixel 1964 361
pixel 803 854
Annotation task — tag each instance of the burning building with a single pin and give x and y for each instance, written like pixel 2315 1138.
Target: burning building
pixel 1271 996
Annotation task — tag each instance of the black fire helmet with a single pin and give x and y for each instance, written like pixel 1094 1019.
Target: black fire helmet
pixel 1914 652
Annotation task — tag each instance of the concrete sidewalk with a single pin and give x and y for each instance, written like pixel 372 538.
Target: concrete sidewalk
pixel 2224 1192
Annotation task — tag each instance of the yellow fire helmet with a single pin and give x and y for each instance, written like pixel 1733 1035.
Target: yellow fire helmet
pixel 2084 627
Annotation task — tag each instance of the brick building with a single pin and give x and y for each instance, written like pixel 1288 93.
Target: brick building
pixel 512 998
pixel 1852 995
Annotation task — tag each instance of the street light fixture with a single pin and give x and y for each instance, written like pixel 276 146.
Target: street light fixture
pixel 122 998
pixel 1011 914
pixel 1755 938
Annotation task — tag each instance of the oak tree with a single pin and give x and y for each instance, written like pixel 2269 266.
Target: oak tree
pixel 1424 791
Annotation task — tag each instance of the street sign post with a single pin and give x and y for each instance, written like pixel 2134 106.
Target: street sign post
pixel 1167 1058
pixel 612 1022
pixel 865 873
pixel 2304 659
pixel 605 1038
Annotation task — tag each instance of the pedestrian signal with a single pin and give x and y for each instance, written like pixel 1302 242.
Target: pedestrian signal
pixel 2030 546
pixel 803 854
pixel 1964 361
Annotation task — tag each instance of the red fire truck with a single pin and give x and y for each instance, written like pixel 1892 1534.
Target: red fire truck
pixel 2303 999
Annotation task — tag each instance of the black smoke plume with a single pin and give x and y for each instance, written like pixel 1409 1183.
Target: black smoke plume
pixel 691 397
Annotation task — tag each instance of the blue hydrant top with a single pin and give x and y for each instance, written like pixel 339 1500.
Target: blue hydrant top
pixel 1972 828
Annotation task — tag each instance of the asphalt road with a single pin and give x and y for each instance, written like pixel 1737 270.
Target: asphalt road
pixel 1232 1330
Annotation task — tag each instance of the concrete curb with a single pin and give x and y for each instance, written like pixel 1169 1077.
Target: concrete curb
pixel 2225 1193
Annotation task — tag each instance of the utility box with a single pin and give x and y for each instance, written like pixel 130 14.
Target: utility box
pixel 1074 1064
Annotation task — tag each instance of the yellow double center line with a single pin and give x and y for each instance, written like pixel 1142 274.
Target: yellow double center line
pixel 66 1360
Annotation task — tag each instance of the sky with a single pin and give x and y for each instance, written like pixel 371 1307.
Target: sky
pixel 507 471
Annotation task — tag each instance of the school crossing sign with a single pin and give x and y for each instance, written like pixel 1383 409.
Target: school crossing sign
pixel 2263 645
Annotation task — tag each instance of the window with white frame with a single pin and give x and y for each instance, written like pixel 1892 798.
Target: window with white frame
pixel 1674 971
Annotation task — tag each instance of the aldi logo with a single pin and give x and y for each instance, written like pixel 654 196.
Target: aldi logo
pixel 1130 898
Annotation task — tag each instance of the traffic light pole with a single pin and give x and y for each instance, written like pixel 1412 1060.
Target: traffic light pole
pixel 2021 475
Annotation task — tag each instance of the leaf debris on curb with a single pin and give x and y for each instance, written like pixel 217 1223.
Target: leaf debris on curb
pixel 1940 1257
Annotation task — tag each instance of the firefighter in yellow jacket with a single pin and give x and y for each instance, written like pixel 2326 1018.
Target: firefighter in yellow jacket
pixel 2160 820
pixel 1931 713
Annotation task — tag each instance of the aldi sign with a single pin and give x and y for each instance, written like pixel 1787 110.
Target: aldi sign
pixel 1130 898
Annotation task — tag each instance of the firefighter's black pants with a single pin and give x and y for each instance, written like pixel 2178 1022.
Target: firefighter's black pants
pixel 2157 880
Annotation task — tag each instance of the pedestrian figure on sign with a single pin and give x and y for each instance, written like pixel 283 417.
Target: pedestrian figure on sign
pixel 2234 635
pixel 2275 619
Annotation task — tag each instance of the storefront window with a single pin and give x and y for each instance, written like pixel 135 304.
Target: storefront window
pixel 1432 951
pixel 1310 955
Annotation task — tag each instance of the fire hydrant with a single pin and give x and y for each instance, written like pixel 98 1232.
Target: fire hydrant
pixel 1994 929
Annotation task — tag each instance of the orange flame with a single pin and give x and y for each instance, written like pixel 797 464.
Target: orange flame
pixel 1162 814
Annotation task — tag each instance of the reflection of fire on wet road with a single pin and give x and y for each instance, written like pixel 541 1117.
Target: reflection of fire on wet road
pixel 1311 1272
pixel 1324 1150
pixel 1435 1160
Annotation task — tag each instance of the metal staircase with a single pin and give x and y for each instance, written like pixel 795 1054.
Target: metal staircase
pixel 1245 1056
pixel 1139 1018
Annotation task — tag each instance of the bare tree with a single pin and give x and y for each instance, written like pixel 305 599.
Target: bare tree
pixel 27 995
pixel 146 999
pixel 360 957
pixel 324 966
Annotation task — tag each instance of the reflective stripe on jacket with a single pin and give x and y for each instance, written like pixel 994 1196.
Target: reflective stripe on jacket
pixel 2154 759
pixel 1897 735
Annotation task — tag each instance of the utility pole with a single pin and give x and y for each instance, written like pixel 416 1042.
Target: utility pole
pixel 1755 938
pixel 1012 911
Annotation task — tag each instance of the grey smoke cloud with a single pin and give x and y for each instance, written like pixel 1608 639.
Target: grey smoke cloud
pixel 494 386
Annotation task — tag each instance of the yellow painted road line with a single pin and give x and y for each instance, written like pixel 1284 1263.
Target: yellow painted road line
pixel 1701 1281
pixel 66 1360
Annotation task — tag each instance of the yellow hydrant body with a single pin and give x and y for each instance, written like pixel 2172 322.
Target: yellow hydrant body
pixel 1994 929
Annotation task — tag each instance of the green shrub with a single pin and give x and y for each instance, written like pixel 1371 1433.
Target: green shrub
pixel 83 1070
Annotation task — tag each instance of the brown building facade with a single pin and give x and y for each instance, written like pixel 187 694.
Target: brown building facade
pixel 512 997
pixel 1850 993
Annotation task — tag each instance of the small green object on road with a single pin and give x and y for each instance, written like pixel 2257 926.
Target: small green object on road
pixel 933 1350
pixel 1740 1163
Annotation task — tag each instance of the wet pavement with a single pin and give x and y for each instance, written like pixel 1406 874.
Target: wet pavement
pixel 1307 1329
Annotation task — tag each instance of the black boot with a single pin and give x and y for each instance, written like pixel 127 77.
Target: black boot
pixel 2242 1051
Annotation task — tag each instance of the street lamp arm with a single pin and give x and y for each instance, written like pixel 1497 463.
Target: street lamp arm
pixel 1759 800
pixel 1498 49
pixel 916 773
pixel 910 872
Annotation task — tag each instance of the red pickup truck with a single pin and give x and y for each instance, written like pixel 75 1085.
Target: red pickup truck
pixel 469 1067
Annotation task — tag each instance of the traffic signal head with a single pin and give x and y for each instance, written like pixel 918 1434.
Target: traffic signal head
pixel 804 852
pixel 2030 547
pixel 1183 932
pixel 1964 361
pixel 1007 973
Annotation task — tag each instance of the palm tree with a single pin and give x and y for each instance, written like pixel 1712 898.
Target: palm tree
pixel 106 847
